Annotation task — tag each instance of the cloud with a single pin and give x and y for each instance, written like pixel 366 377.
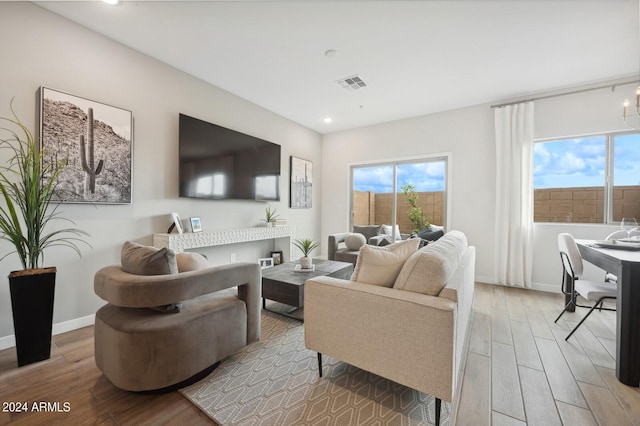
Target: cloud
pixel 424 176
pixel 569 163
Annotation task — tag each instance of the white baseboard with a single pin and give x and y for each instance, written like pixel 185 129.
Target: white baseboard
pixel 486 280
pixel 59 328
pixel 549 288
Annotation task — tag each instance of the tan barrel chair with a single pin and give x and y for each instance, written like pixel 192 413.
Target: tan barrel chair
pixel 140 348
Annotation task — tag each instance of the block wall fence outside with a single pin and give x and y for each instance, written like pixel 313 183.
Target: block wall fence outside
pixel 584 205
pixel 375 209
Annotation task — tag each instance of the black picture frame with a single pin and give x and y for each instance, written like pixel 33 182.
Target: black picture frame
pixel 277 257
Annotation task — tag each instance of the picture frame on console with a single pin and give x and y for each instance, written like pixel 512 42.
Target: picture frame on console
pixel 265 262
pixel 277 257
pixel 196 224
pixel 95 140
pixel 177 223
pixel 301 184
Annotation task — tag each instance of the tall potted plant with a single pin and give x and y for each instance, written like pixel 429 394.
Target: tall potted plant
pixel 26 185
pixel 306 246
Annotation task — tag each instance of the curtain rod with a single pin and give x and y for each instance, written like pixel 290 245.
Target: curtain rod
pixel 573 92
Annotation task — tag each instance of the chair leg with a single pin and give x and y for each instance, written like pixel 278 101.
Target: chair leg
pixel 438 407
pixel 320 363
pixel 568 305
pixel 585 317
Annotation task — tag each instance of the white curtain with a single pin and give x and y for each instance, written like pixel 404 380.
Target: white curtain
pixel 514 194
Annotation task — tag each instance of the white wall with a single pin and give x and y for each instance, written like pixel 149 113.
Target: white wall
pixel 40 48
pixel 575 115
pixel 465 133
pixel 468 133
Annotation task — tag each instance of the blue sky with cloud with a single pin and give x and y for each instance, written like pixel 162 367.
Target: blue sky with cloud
pixel 575 162
pixel 581 162
pixel 425 177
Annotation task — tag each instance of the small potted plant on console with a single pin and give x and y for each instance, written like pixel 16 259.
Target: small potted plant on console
pixel 270 216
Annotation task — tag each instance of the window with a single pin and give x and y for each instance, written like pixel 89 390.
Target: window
pixel 592 179
pixel 378 199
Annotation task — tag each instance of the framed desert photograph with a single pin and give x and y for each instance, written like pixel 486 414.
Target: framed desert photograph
pixel 95 140
pixel 301 186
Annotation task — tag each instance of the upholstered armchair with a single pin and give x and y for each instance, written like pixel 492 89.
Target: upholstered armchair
pixel 345 246
pixel 164 328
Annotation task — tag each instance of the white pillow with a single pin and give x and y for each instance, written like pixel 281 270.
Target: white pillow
pixel 381 265
pixel 355 241
pixel 387 230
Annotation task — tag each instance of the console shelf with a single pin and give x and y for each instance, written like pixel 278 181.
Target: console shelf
pixel 193 240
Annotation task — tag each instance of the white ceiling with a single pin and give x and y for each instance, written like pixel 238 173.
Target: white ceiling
pixel 418 57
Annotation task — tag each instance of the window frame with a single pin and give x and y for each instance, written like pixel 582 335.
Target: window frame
pixel 446 157
pixel 609 166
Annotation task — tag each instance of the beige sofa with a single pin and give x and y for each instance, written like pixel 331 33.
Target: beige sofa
pixel 411 338
pixel 161 330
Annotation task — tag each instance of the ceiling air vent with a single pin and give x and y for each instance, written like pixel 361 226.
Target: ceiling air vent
pixel 354 82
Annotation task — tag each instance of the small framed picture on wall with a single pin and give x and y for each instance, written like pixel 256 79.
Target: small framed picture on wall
pixel 301 185
pixel 196 224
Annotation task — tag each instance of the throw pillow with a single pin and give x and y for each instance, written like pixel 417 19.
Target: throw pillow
pixel 367 230
pixel 422 242
pixel 388 229
pixel 429 269
pixel 381 265
pixel 191 262
pixel 144 260
pixel 354 241
pixel 430 234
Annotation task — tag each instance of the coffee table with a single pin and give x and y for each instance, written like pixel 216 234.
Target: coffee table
pixel 282 284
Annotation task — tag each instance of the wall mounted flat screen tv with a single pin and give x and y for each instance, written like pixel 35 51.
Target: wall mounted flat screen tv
pixel 217 163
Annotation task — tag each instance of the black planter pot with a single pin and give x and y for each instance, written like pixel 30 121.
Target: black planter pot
pixel 32 292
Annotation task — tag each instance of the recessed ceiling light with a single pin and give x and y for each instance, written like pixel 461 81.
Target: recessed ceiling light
pixel 111 1
pixel 327 120
pixel 331 53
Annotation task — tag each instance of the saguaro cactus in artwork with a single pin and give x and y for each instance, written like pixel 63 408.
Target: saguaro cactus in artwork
pixel 89 163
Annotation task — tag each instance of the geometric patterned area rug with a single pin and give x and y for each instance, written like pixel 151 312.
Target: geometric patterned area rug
pixel 275 382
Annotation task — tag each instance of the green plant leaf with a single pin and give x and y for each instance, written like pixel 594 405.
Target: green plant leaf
pixel 27 186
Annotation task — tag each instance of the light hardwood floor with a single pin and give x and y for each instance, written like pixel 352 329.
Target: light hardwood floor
pixel 519 370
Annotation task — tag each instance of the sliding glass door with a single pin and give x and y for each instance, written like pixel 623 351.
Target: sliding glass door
pixel 410 194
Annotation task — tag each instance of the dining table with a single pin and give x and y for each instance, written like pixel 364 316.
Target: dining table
pixel 622 260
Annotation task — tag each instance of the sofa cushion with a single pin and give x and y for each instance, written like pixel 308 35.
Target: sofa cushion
pixel 354 241
pixel 381 265
pixel 429 269
pixel 191 262
pixel 144 260
pixel 367 230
